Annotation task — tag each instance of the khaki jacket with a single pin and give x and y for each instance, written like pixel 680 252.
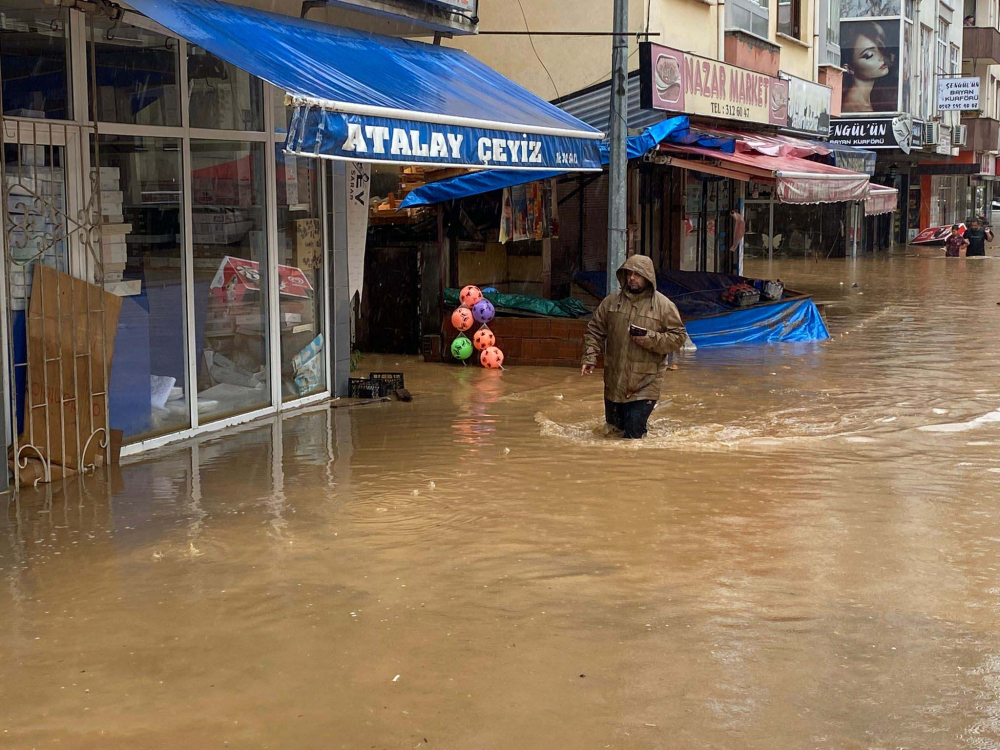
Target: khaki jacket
pixel 632 368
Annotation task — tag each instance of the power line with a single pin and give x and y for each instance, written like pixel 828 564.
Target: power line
pixel 537 56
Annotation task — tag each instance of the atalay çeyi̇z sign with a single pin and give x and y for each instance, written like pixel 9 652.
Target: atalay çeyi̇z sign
pixel 315 131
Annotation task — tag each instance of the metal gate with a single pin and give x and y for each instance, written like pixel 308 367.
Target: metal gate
pixel 57 363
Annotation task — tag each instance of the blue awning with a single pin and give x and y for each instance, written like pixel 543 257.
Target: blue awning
pixel 366 97
pixel 675 130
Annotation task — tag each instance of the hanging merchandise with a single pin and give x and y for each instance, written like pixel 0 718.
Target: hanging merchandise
pixel 470 295
pixel 520 215
pixel 539 226
pixel 491 358
pixel 461 348
pixel 462 319
pixel 483 311
pixel 506 218
pixel 484 339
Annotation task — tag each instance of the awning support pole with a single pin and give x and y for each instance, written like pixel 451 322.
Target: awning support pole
pixel 770 229
pixel 618 168
pixel 340 295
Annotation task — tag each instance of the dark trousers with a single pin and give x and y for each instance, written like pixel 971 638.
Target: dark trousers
pixel 630 417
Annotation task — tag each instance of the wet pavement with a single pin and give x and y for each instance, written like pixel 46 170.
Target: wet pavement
pixel 804 554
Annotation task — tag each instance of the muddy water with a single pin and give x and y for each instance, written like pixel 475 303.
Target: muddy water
pixel 804 554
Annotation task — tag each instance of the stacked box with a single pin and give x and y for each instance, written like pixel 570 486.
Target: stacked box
pixel 114 232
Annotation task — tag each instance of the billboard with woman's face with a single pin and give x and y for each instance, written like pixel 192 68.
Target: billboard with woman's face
pixel 869 53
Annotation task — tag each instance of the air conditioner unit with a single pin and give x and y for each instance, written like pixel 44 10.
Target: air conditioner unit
pixel 961 134
pixel 932 133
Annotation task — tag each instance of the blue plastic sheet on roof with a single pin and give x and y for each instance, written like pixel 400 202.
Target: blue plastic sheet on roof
pixel 675 130
pixel 367 97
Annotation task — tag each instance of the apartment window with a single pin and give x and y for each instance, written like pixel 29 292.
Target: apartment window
pixel 955 60
pixel 833 22
pixel 926 72
pixel 789 17
pixel 749 16
pixel 942 45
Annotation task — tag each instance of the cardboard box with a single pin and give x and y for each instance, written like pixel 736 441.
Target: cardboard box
pixel 124 288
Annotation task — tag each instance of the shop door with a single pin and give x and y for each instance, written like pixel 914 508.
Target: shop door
pixel 389 321
pixel 51 218
pixel 707 224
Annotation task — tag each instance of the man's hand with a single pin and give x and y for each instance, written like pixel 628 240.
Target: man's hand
pixel 587 370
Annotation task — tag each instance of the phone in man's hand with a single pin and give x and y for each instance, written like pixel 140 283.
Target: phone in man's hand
pixel 637 331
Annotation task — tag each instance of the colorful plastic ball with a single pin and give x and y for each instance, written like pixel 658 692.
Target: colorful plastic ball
pixel 462 319
pixel 491 358
pixel 470 295
pixel 483 311
pixel 490 290
pixel 484 339
pixel 461 348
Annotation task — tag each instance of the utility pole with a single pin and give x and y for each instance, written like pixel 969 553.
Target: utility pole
pixel 618 168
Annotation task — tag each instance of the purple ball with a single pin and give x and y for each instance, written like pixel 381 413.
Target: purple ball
pixel 483 311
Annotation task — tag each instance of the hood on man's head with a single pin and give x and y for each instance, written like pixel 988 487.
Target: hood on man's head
pixel 640 264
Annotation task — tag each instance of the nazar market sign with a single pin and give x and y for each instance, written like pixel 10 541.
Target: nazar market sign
pixel 677 81
pixel 315 131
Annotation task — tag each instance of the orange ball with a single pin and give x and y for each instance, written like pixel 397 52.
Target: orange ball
pixel 470 295
pixel 462 319
pixel 484 339
pixel 491 358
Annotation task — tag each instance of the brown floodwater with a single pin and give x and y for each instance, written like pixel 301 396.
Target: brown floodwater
pixel 803 554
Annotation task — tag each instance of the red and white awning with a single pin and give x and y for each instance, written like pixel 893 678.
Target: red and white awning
pixel 881 200
pixel 796 180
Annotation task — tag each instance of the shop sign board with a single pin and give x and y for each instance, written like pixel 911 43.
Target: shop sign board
pixel 988 165
pixel 808 106
pixel 958 94
pixel 678 81
pixel 319 132
pixel 943 145
pixel 874 132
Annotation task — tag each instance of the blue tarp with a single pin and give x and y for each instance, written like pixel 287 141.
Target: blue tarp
pixel 696 293
pixel 794 320
pixel 675 130
pixel 367 97
pixel 710 322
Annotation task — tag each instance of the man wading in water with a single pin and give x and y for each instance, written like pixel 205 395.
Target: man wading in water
pixel 635 329
pixel 977 237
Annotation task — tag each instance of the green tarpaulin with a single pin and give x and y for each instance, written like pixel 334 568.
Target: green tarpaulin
pixel 527 303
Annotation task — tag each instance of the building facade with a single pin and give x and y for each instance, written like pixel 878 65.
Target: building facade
pixel 125 142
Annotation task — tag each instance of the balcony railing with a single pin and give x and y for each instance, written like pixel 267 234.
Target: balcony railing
pixel 983 133
pixel 981 43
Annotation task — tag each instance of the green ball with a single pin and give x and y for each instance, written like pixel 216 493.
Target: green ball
pixel 461 348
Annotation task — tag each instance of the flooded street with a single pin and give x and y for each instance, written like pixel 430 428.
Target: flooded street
pixel 805 553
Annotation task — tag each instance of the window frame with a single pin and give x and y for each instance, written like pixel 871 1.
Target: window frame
pixel 793 28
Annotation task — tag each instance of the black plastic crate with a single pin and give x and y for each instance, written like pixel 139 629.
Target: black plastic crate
pixel 393 380
pixel 365 388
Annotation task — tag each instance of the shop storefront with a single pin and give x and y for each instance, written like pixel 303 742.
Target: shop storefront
pixel 225 239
